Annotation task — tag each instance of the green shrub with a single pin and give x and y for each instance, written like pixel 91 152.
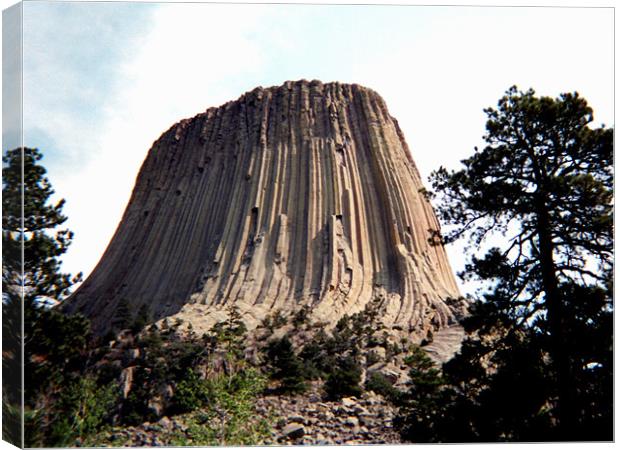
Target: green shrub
pixel 424 406
pixel 152 339
pixel 286 366
pixel 274 321
pixel 229 416
pixel 141 319
pixel 344 381
pixel 34 430
pixel 108 373
pixel 85 408
pixel 372 357
pixel 379 384
pixel 190 394
pixel 134 409
pixel 11 422
pixel 122 316
pixel 164 359
pixel 319 355
pixel 56 350
pixel 230 334
pixel 301 316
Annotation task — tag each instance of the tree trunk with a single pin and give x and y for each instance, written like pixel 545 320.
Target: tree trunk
pixel 560 354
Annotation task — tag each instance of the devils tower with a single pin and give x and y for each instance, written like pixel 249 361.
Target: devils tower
pixel 299 195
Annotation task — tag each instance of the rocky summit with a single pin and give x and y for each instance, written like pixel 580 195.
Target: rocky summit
pixel 301 195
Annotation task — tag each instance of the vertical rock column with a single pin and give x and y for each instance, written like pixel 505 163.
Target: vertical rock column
pixel 302 194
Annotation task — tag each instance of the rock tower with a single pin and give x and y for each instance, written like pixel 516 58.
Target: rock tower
pixel 301 194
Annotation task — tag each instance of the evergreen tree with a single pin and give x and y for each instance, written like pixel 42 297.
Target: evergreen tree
pixel 344 380
pixel 33 230
pixel 497 388
pixel 423 404
pixel 141 319
pixel 32 245
pixel 122 316
pixel 286 366
pixel 231 335
pixel 544 182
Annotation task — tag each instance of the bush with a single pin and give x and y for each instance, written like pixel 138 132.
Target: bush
pixel 11 422
pixel 286 366
pixel 421 416
pixel 230 335
pixel 122 315
pixel 229 415
pixel 379 384
pixel 164 359
pixel 85 408
pixel 319 356
pixel 372 357
pixel 344 381
pixel 56 353
pixel 301 316
pixel 141 319
pixel 135 410
pixel 108 373
pixel 190 394
pixel 274 321
pixel 56 350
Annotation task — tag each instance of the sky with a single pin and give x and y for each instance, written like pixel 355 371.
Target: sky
pixel 102 81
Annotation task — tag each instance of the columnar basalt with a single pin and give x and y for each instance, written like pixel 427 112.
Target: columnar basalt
pixel 302 194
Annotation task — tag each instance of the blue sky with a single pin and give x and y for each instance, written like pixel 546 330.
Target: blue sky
pixel 72 66
pixel 102 81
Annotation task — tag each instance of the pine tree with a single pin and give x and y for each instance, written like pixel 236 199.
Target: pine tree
pixel 423 403
pixel 32 245
pixel 142 318
pixel 543 185
pixel 286 366
pixel 33 229
pixel 344 379
pixel 122 315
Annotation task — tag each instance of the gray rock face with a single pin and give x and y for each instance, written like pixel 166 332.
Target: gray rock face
pixel 446 342
pixel 302 194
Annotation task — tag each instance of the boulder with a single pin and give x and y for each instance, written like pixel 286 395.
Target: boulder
pixel 295 418
pixel 293 431
pixel 352 421
pixel 348 402
pixel 165 423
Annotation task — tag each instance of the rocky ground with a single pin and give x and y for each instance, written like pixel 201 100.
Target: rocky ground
pixel 309 420
pixel 296 420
